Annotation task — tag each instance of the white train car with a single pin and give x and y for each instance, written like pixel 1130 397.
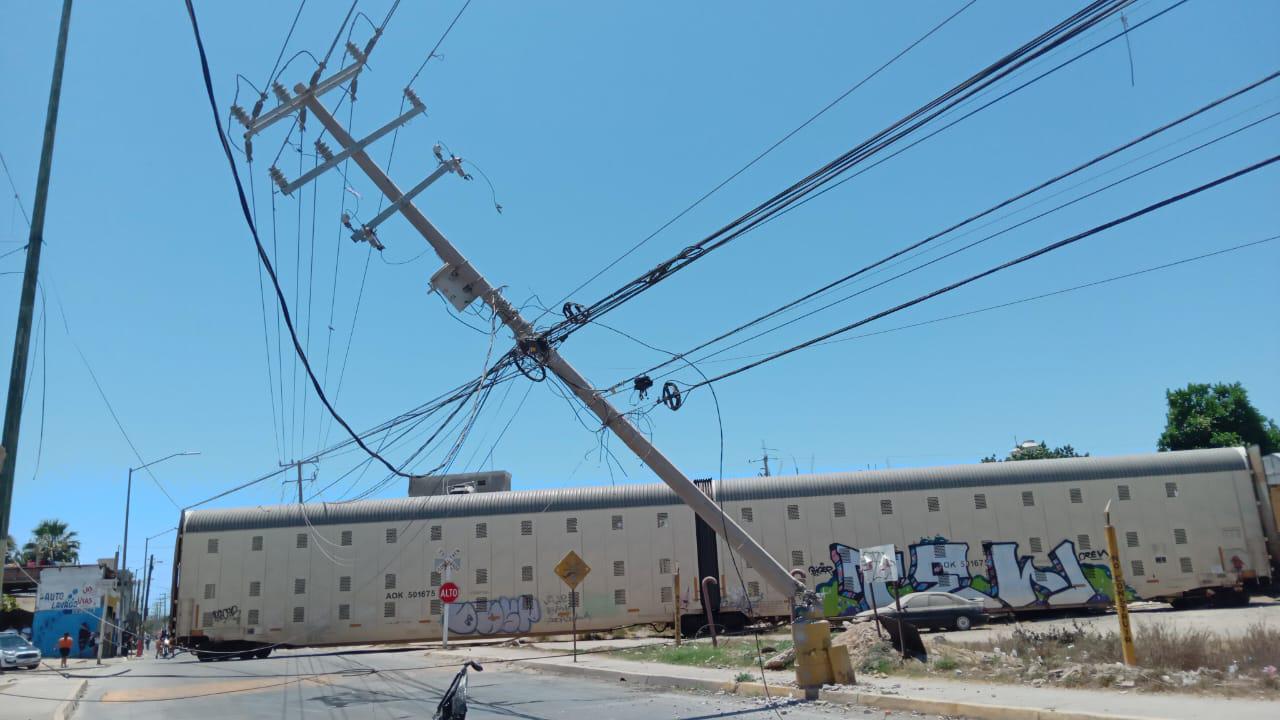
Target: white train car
pixel 1021 536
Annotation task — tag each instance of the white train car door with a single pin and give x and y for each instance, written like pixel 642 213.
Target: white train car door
pixel 328 558
pixel 1008 543
pixel 652 558
pixel 619 567
pixel 296 584
pixel 477 572
pixel 558 533
pixel 253 548
pixel 210 593
pixel 529 577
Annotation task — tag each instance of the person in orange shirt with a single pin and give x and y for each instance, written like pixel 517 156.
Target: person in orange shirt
pixel 64 647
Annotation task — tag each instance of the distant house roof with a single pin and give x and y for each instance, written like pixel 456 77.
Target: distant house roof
pixel 1186 462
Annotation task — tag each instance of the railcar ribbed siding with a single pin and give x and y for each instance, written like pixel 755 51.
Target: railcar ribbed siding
pixel 1188 462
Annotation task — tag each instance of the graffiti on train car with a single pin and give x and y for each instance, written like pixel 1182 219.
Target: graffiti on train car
pixel 226 615
pixel 500 615
pixel 1000 573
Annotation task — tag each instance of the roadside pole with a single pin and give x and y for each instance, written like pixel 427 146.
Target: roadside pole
pixel 444 627
pixel 675 621
pixel 1118 589
pixel 897 601
pixel 30 275
pixel 445 564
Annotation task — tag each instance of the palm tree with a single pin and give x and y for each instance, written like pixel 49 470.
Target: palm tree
pixel 52 544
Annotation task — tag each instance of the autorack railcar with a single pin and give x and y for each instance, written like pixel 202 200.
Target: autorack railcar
pixel 1019 536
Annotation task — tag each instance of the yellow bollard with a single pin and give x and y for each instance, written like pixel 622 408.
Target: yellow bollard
pixel 812 635
pixel 1118 589
pixel 841 665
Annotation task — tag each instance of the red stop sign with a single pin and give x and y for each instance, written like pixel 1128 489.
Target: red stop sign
pixel 449 593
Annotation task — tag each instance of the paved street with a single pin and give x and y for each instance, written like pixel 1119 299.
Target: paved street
pixel 379 685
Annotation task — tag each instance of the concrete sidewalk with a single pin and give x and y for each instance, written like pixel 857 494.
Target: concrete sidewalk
pixel 39 696
pixel 927 695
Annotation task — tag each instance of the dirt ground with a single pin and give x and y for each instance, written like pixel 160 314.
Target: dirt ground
pixel 1221 621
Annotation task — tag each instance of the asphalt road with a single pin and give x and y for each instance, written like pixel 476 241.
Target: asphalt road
pixel 392 685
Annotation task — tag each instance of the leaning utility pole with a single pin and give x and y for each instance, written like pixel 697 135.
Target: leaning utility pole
pixel 460 283
pixel 22 337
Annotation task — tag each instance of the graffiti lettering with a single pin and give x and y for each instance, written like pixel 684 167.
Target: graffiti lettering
pixel 503 615
pixel 1001 577
pixel 227 614
pixel 821 569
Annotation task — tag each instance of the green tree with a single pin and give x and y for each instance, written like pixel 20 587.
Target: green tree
pixel 11 554
pixel 1037 452
pixel 52 543
pixel 1220 415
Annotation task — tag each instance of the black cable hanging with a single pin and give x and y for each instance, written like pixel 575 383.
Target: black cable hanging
pixel 1066 30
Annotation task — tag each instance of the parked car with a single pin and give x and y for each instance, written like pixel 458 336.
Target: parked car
pixel 938 610
pixel 16 652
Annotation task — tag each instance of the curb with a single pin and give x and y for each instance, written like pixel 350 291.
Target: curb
pixel 977 711
pixel 66 709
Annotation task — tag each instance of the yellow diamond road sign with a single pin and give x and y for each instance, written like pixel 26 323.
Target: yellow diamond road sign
pixel 572 569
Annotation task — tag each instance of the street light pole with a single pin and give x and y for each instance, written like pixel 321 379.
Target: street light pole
pixel 128 497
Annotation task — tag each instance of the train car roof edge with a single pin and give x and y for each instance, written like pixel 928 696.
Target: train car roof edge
pixel 1186 462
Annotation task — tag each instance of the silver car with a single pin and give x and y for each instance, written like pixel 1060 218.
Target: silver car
pixel 16 652
pixel 940 610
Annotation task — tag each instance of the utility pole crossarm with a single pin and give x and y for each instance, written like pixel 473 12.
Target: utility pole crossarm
pixel 738 540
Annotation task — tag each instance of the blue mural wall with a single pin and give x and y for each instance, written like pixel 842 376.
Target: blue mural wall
pixel 51 624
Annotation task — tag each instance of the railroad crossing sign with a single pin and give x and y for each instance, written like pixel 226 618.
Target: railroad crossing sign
pixel 572 569
pixel 452 561
pixel 449 593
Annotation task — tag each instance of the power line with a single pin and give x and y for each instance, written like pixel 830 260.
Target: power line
pixel 1003 266
pixel 839 98
pixel 116 418
pixel 16 198
pixel 439 42
pixel 1030 298
pixel 940 258
pixel 973 218
pixel 262 253
pixel 1095 13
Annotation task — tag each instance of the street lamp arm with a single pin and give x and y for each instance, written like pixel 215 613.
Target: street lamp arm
pixel 166 457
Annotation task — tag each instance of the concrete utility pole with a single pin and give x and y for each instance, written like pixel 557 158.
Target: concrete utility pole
pixel 26 303
pixel 461 284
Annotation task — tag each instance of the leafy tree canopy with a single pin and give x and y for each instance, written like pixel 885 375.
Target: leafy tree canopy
pixel 1220 415
pixel 52 543
pixel 11 554
pixel 1037 452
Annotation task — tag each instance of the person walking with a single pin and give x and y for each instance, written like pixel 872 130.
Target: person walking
pixel 64 647
pixel 82 639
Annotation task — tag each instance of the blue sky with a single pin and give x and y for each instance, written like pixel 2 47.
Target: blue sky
pixel 597 122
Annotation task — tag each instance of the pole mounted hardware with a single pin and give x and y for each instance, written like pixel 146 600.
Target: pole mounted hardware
pixel 459 278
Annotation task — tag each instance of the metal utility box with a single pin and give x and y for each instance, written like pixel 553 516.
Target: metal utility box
pixel 460 483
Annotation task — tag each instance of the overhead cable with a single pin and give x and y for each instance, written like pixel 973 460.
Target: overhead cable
pixel 262 253
pixel 799 191
pixel 962 223
pixel 991 271
pixel 751 163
